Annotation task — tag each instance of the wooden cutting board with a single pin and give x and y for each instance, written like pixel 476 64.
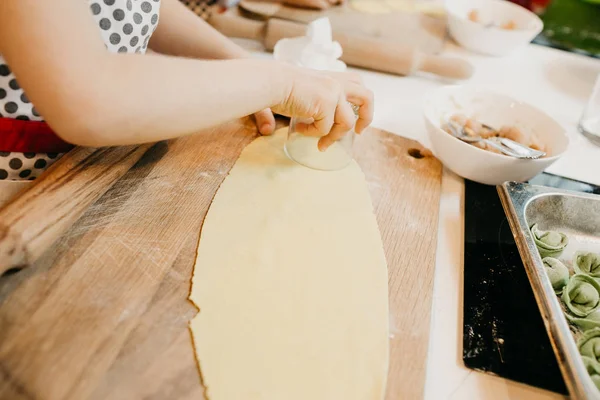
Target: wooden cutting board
pixel 426 32
pixel 104 313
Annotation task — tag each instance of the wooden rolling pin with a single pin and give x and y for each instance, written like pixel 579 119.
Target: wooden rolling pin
pixel 35 219
pixel 359 51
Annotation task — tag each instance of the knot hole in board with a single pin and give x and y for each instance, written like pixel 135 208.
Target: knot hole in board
pixel 11 271
pixel 415 153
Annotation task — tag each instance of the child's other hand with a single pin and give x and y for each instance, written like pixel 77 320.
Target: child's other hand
pixel 318 4
pixel 265 121
pixel 325 97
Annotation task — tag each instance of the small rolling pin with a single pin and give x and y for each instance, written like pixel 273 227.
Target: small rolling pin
pixel 359 51
pixel 36 218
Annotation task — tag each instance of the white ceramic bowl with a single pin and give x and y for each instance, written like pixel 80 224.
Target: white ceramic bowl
pixel 496 110
pixel 491 40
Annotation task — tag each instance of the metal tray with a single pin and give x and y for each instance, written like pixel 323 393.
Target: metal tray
pixel 578 216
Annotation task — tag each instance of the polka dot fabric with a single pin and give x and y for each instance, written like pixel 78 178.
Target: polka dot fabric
pixel 125 26
pixel 20 166
pixel 203 8
pixel 13 101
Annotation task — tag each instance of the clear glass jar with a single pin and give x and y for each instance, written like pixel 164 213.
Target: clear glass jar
pixel 304 149
pixel 589 124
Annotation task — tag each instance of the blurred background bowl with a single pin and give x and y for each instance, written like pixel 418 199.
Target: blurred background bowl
pixel 491 40
pixel 496 110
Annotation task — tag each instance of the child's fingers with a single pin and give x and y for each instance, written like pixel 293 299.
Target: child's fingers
pixel 265 121
pixel 344 121
pixel 321 124
pixel 308 129
pixel 362 97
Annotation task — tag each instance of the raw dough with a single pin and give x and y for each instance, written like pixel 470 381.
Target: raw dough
pixel 582 295
pixel 305 150
pixel 587 263
pixel 291 283
pixel 589 344
pixel 549 243
pixel 593 369
pixel 557 272
pixel 590 322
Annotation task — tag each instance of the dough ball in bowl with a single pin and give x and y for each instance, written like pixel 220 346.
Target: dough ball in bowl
pixel 497 111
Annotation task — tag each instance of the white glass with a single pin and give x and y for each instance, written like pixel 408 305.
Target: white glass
pixel 589 124
pixel 304 150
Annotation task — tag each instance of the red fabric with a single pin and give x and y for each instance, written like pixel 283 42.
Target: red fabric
pixel 30 137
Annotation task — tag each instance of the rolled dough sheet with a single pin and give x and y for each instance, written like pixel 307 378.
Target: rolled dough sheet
pixel 291 283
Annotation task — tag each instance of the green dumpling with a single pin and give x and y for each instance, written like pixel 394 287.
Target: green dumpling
pixel 589 344
pixel 549 243
pixel 590 322
pixel 581 295
pixel 557 273
pixel 587 263
pixel 593 369
pixel 596 379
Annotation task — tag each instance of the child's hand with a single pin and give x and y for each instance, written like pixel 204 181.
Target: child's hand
pixel 265 121
pixel 325 97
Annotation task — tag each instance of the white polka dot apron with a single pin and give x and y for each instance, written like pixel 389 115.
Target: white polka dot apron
pixel 203 8
pixel 125 27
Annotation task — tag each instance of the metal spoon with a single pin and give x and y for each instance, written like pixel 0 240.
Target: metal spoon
pixel 459 133
pixel 504 145
pixel 524 151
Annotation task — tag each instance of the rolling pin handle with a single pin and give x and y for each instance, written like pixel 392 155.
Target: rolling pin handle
pixel 447 67
pixel 238 27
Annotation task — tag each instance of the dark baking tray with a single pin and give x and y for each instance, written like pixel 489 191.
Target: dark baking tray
pixel 504 333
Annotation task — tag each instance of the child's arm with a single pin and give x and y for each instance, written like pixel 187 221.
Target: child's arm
pixel 95 98
pixel 180 32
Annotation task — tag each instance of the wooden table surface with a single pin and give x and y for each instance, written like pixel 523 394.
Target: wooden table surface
pixel 104 313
